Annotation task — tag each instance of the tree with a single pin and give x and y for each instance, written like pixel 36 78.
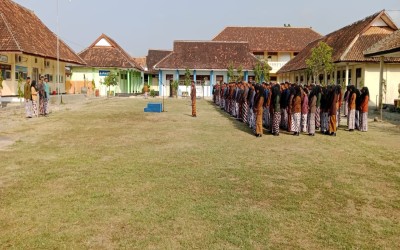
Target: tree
pixel 261 71
pixel 257 72
pixel 265 70
pixel 20 83
pixel 240 74
pixel 187 78
pixel 320 61
pixel 231 73
pixel 110 80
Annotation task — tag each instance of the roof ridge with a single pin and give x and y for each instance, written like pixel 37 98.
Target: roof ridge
pixel 10 31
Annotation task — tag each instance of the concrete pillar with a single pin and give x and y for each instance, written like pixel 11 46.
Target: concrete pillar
pixel 160 83
pixel 212 82
pixel 347 75
pixel 381 84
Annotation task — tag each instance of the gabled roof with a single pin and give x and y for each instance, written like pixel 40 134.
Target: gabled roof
pixel 140 61
pixel 104 52
pixel 208 55
pixel 349 42
pixel 271 39
pixel 22 31
pixel 389 46
pixel 154 56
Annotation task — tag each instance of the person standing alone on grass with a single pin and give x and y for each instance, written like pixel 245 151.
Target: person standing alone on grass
pixel 27 97
pixel 145 90
pixel 193 98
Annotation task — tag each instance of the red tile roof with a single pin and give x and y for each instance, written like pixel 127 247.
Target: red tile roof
pixel 390 44
pixel 112 56
pixel 271 39
pixel 348 43
pixel 208 55
pixel 22 31
pixel 155 56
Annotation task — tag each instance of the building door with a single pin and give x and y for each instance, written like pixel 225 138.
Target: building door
pixel 35 74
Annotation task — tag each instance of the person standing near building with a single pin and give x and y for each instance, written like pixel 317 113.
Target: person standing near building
pixel 304 110
pixel 351 117
pixel 259 110
pixel 193 98
pixel 333 107
pixel 364 109
pixel 276 106
pixel 46 87
pixel 34 97
pixel 145 90
pixel 295 111
pixel 40 89
pixel 27 97
pixel 313 111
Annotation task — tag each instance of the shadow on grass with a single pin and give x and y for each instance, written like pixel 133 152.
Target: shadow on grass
pixel 239 125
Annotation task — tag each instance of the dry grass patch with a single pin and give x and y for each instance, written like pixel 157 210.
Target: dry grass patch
pixel 104 174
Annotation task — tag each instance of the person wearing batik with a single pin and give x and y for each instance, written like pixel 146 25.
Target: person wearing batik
pixel 358 107
pixel 270 113
pixel 34 98
pixel 193 99
pixel 245 103
pixel 346 101
pixel 312 111
pixel 324 109
pixel 276 108
pixel 339 104
pixel 333 107
pixel 304 110
pixel 295 111
pixel 290 108
pixel 318 111
pixel 252 118
pixel 364 109
pixel 284 99
pixel 40 87
pixel 265 109
pixel 27 97
pixel 351 117
pixel 46 87
pixel 259 110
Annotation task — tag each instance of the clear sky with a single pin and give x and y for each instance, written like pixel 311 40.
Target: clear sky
pixel 154 24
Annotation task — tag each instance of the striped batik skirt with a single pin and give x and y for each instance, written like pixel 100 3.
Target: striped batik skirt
pixel 276 119
pixel 252 119
pixel 318 118
pixel 34 108
pixel 364 122
pixel 284 119
pixel 295 123
pixel 311 123
pixel 245 112
pixel 304 123
pixel 357 119
pixel 324 121
pixel 346 108
pixel 351 118
pixel 338 119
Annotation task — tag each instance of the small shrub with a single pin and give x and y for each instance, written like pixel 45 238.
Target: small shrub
pixel 152 93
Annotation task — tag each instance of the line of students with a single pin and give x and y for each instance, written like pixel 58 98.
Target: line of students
pixel 34 92
pixel 292 107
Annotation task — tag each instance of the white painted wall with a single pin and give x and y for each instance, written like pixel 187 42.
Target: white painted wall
pixel 391 74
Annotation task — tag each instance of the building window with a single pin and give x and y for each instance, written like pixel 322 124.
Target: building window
pixel 295 53
pixel 273 78
pixel 259 55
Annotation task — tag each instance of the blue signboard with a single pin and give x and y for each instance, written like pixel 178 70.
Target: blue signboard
pixel 104 72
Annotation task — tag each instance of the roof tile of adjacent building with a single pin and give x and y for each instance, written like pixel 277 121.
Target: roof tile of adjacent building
pixel 271 39
pixel 208 55
pixel 348 43
pixel 389 44
pixel 22 31
pixel 109 55
pixel 155 56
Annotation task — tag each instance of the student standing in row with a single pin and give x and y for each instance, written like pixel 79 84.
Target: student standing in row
pixel 27 97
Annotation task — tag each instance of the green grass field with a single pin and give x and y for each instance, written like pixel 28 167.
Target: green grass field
pixel 105 175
